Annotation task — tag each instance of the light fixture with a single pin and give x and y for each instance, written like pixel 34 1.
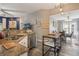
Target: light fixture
pixel 61 10
pixel 62 13
pixel 4 13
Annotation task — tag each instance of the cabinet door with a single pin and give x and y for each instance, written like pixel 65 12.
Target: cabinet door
pixel 24 41
pixel 31 40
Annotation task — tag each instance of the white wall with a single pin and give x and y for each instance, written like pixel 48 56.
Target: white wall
pixel 40 22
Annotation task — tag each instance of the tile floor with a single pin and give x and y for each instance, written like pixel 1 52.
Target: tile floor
pixel 71 48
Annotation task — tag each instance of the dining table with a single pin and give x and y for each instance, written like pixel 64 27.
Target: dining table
pixel 55 37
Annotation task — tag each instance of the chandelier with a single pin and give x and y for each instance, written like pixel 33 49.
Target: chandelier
pixel 61 9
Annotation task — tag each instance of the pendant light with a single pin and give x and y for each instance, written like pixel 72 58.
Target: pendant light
pixel 61 9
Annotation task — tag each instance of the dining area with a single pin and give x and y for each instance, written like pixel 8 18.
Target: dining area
pixel 54 41
pixel 57 31
pixel 56 44
pixel 45 32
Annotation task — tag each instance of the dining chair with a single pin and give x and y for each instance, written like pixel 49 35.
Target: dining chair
pixel 69 36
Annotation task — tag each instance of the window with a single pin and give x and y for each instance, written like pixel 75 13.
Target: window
pixel 0 26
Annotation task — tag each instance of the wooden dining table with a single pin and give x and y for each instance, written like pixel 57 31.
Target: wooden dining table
pixel 55 37
pixel 54 34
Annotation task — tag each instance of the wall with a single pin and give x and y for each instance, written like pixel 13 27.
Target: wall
pixel 40 21
pixel 23 18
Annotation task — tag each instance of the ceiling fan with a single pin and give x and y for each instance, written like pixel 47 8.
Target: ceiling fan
pixel 6 11
pixel 12 10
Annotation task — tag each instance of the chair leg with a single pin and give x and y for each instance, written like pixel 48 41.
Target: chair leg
pixel 65 39
pixel 54 53
pixel 58 52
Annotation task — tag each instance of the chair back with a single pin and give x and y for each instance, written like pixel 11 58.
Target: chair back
pixel 71 34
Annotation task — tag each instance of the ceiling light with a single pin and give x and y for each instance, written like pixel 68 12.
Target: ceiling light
pixel 61 9
pixel 62 13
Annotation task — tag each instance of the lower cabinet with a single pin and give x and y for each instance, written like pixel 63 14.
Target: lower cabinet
pixel 24 41
pixel 29 41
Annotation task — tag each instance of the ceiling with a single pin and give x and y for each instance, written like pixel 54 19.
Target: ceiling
pixel 26 7
pixel 72 15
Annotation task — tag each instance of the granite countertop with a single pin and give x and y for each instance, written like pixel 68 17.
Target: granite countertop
pixel 15 51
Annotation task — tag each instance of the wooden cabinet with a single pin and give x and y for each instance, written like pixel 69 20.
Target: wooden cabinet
pixel 31 40
pixel 24 41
